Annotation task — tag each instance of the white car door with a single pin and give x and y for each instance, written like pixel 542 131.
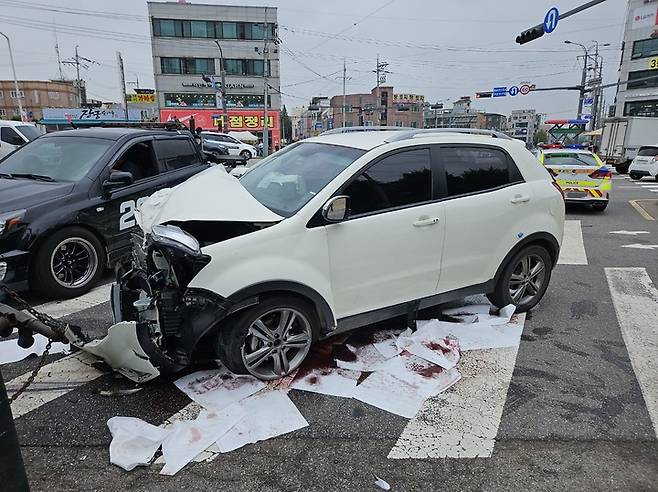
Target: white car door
pixel 488 210
pixel 388 252
pixel 233 146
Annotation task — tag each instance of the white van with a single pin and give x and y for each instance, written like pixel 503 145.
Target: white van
pixel 13 134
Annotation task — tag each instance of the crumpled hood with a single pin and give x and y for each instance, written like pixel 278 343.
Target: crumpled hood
pixel 211 195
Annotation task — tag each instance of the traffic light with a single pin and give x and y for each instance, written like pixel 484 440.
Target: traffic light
pixel 530 35
pixel 483 95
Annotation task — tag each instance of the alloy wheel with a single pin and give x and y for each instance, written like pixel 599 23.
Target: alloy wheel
pixel 276 343
pixel 73 262
pixel 527 279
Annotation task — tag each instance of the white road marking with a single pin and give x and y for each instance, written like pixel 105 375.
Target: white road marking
pixel 629 233
pixel 462 422
pixel 53 380
pixel 635 299
pixel 573 248
pixel 636 205
pixel 640 246
pixel 59 309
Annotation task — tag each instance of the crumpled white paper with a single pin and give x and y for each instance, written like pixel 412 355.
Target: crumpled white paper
pixel 267 414
pixel 367 358
pixel 443 352
pixel 11 352
pixel 218 388
pixel 134 442
pixel 330 381
pixel 188 438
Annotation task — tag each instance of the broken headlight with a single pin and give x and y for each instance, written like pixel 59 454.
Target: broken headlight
pixel 170 235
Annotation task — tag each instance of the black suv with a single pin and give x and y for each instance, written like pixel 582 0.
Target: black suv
pixel 68 200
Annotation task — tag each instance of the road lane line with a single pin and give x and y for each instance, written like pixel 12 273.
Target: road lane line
pixel 53 380
pixel 59 309
pixel 636 205
pixel 635 299
pixel 462 422
pixel 573 247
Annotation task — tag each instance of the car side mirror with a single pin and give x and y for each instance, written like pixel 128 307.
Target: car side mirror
pixel 337 209
pixel 117 179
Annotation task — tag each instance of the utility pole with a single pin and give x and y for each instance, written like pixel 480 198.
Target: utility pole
pixel 266 136
pixel 122 81
pixel 344 81
pixel 381 77
pixel 222 73
pixel 77 75
pixel 80 62
pixel 13 71
pixel 377 96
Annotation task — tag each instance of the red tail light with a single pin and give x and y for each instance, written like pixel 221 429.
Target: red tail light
pixel 557 187
pixel 601 173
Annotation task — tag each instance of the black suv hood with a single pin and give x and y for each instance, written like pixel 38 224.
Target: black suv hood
pixel 19 193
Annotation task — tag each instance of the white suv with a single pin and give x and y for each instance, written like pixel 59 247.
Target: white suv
pixel 332 234
pixel 234 146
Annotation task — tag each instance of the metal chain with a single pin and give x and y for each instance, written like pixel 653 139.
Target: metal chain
pixel 57 325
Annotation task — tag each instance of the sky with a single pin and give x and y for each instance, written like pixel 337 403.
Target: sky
pixel 443 49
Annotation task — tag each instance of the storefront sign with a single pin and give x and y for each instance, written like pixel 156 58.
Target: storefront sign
pixel 408 98
pixel 644 17
pixel 186 99
pixel 141 98
pixel 89 114
pixel 229 85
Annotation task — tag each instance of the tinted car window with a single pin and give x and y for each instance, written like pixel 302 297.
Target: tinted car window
pixel 570 159
pixel 29 132
pixel 398 180
pixel 61 158
pixel 176 153
pixel 648 151
pixel 472 169
pixel 9 136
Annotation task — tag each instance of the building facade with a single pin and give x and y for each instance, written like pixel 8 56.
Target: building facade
pixel 36 95
pixel 639 60
pixel 523 124
pixel 184 40
pixel 462 115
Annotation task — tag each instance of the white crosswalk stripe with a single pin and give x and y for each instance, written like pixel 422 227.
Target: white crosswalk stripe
pixel 635 299
pixel 573 247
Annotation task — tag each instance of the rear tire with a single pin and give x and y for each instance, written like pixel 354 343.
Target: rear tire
pixel 527 276
pixel 261 342
pixel 599 207
pixel 635 177
pixel 68 264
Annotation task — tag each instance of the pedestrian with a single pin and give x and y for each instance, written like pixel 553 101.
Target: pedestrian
pixel 260 148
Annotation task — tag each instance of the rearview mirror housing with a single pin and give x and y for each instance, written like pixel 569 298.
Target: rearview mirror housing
pixel 337 209
pixel 117 179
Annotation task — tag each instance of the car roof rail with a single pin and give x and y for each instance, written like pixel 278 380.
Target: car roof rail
pixel 426 132
pixel 355 129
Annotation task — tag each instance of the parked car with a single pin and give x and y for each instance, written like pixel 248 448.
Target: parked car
pixel 235 147
pixel 332 234
pixel 581 175
pixel 645 163
pixel 14 134
pixel 68 201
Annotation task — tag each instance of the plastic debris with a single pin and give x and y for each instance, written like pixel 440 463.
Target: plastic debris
pixel 267 414
pixel 218 388
pixel 120 392
pixel 381 483
pixel 188 438
pixel 134 442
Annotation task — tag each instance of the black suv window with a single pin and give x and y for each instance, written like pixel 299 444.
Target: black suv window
pixel 475 169
pixel 138 160
pixel 400 179
pixel 175 153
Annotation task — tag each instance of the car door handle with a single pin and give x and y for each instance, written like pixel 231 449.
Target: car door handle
pixel 426 221
pixel 520 199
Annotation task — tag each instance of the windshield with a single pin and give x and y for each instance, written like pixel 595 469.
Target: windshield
pixel 570 159
pixel 648 151
pixel 66 159
pixel 29 132
pixel 291 177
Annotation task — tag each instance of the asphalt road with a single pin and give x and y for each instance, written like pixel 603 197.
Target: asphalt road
pixel 575 414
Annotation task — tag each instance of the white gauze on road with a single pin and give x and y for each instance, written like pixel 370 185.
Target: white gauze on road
pixel 218 388
pixel 134 442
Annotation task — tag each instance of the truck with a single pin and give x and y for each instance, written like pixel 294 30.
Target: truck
pixel 623 136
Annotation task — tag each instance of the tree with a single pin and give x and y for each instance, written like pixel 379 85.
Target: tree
pixel 540 136
pixel 286 124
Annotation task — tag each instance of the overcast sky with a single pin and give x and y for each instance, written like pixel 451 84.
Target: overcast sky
pixel 443 49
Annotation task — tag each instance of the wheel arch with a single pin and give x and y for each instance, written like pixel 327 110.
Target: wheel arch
pixel 543 239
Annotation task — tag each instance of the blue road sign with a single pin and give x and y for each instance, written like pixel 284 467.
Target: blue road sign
pixel 589 101
pixel 587 117
pixel 551 20
pixel 513 91
pixel 499 92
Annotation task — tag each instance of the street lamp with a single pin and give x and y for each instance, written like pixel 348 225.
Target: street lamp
pixel 13 69
pixel 583 79
pixel 222 72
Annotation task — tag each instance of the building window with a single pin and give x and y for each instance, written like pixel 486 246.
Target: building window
pixel 12 94
pixel 236 66
pixel 53 95
pixel 211 29
pixel 642 108
pixel 521 125
pixel 399 123
pixel 633 76
pixel 187 65
pixel 414 124
pixel 3 112
pixel 644 48
pixel 2 95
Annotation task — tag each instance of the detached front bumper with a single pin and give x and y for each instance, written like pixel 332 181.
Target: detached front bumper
pixel 14 269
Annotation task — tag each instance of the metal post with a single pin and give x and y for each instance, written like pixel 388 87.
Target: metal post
pixel 13 70
pixel 77 70
pixel 377 96
pixel 344 77
pixel 122 81
pixel 266 139
pixel 222 73
pixel 12 469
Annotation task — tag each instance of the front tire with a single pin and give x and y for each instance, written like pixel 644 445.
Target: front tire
pixel 68 264
pixel 245 154
pixel 270 340
pixel 635 177
pixel 524 279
